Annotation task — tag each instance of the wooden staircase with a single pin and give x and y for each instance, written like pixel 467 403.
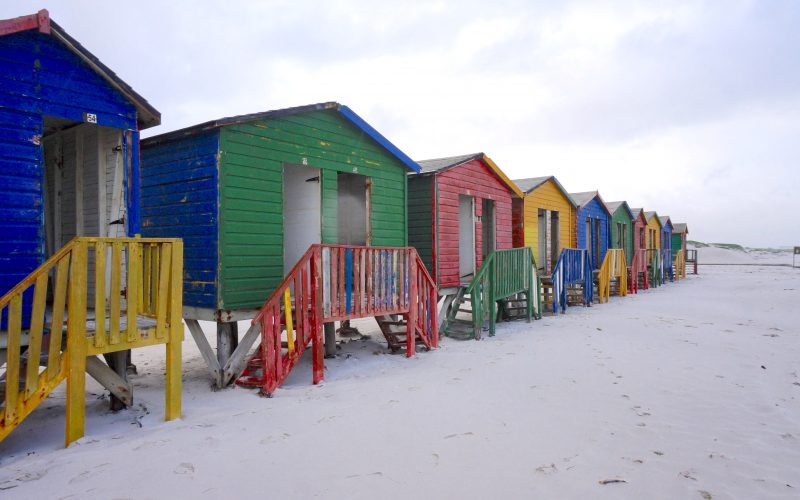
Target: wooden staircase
pixel 506 287
pixel 336 283
pixel 638 278
pixel 395 329
pixel 572 278
pixel 39 353
pixel 679 265
pixel 613 271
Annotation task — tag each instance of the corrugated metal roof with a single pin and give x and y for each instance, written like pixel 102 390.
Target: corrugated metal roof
pixel 346 112
pixel 680 227
pixel 438 164
pixel 649 215
pixel 583 198
pixel 613 206
pixel 664 220
pixel 528 185
pixel 147 115
pixel 441 164
pixel 531 183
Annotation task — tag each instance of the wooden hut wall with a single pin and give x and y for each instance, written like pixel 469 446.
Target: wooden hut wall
pixel 654 233
pixel 597 214
pixel 666 236
pixel 252 158
pixel 179 200
pixel 421 227
pixel 548 197
pixel 477 180
pixel 622 218
pixel 639 231
pixel 41 78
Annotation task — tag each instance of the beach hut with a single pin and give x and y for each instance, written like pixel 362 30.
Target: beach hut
pixel 666 247
pixel 72 284
pixel 264 202
pixel 639 277
pixel 545 222
pixel 681 254
pixel 620 242
pixel 544 219
pixel 621 233
pixel 459 211
pixel 680 231
pixel 654 234
pixel 592 225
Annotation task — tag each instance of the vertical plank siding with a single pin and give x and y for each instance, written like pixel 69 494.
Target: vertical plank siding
pixel 179 199
pixel 474 179
pixel 252 158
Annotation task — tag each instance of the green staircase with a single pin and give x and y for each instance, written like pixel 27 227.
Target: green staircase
pixel 506 287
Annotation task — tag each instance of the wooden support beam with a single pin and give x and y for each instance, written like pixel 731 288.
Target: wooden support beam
pixel 330 340
pixel 238 360
pixel 205 350
pixel 227 340
pixel 110 379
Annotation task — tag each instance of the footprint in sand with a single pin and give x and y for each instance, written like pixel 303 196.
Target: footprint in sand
pixel 184 468
pixel 451 436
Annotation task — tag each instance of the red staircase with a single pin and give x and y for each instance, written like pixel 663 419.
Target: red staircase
pixel 638 277
pixel 337 283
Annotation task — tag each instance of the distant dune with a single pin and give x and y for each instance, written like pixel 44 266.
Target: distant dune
pixel 731 253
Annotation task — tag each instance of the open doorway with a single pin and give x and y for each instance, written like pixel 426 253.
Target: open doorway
pixel 466 237
pixel 555 246
pixel 597 244
pixel 352 209
pixel 488 228
pixel 541 259
pixel 302 215
pixel 83 182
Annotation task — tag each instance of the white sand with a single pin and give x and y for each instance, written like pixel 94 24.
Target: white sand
pixel 688 390
pixel 719 255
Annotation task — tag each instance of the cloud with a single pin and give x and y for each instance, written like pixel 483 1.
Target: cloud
pixel 686 107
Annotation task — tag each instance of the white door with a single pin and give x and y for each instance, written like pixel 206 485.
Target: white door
pixel 466 236
pixel 302 215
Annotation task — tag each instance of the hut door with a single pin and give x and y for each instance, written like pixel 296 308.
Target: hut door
pixel 555 230
pixel 543 237
pixel 597 244
pixel 302 220
pixel 352 217
pixel 488 227
pixel 466 236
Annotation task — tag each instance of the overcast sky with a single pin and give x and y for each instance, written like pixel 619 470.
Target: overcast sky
pixel 690 108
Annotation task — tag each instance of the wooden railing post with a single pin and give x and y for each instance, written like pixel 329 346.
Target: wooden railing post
pixel 172 396
pixel 413 306
pixel 76 344
pixel 317 344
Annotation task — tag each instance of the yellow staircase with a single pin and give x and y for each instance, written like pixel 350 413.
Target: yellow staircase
pixel 133 289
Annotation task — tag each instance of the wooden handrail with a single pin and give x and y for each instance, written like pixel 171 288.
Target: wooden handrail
pixel 152 281
pixel 572 268
pixel 337 283
pixel 614 267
